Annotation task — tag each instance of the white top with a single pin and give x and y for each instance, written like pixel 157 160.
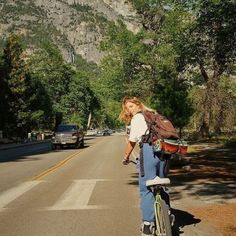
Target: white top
pixel 138 127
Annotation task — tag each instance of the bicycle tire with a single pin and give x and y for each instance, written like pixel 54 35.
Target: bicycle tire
pixel 163 227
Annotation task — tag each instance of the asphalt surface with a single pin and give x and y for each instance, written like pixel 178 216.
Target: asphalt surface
pixel 70 192
pixel 81 192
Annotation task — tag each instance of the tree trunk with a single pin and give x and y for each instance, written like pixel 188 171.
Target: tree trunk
pixel 220 118
pixel 210 99
pixel 58 119
pixel 180 132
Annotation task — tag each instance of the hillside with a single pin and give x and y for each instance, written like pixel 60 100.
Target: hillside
pixel 75 26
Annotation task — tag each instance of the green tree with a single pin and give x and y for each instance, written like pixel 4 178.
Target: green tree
pixel 223 110
pixel 172 99
pixel 53 78
pixel 209 45
pixel 67 86
pixel 151 13
pixel 124 70
pixel 4 106
pixel 145 64
pixel 80 101
pixel 55 75
pixel 41 116
pixel 17 83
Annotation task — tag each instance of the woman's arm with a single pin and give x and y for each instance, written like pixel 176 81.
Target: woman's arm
pixel 129 148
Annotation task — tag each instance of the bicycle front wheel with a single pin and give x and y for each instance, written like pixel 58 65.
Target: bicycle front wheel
pixel 163 227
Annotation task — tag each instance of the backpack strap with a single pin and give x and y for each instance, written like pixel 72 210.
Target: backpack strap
pixel 147 137
pixel 141 160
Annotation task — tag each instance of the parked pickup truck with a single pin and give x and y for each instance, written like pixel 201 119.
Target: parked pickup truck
pixel 68 134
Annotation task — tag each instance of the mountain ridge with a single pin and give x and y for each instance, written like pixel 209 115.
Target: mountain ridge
pixel 75 26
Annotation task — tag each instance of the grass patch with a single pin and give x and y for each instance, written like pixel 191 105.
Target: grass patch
pixel 230 143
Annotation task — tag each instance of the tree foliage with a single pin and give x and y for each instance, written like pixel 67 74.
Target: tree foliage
pixel 36 89
pixel 67 86
pixel 209 46
pixel 79 101
pixel 182 58
pixel 143 65
pixel 16 85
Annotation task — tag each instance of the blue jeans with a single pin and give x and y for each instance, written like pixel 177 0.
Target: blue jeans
pixel 153 167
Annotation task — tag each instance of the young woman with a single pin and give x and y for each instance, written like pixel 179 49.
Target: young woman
pixel 131 113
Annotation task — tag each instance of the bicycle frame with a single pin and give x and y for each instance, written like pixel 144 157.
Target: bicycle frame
pixel 161 214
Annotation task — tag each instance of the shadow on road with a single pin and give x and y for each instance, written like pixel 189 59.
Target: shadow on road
pixel 134 179
pixel 211 172
pixel 210 176
pixel 26 153
pixel 182 218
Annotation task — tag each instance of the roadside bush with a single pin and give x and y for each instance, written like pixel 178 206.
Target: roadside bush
pixel 230 143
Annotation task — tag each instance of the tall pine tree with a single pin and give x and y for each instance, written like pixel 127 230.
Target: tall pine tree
pixel 17 82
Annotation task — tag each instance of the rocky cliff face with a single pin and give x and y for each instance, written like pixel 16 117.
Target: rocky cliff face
pixel 76 26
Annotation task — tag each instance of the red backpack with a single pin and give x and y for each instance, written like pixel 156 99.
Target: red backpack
pixel 162 134
pixel 159 127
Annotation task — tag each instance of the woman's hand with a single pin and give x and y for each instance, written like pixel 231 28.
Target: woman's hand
pixel 125 161
pixel 129 148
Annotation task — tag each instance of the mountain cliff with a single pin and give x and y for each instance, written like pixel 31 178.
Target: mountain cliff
pixel 75 26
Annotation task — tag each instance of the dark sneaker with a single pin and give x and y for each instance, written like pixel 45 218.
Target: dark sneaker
pixel 148 229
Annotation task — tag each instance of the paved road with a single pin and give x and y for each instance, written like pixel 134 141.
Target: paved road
pixel 79 192
pixel 70 192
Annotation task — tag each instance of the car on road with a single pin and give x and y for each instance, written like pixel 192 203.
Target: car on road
pixel 91 132
pixel 99 133
pixel 107 132
pixel 104 132
pixel 68 135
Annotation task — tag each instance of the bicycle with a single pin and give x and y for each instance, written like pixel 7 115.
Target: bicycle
pixel 161 209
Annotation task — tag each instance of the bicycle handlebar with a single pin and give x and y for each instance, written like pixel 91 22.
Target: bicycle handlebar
pixel 126 162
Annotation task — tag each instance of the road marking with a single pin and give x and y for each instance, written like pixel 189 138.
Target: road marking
pixel 60 164
pixel 13 193
pixel 77 196
pixel 53 168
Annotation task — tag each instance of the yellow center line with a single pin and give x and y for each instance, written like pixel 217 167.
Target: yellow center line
pixel 53 168
pixel 57 166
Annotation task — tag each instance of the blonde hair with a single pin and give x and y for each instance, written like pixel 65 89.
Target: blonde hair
pixel 125 116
